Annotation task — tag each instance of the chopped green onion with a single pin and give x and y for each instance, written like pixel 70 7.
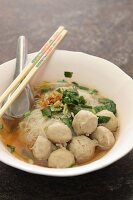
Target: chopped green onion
pixel 11 148
pixel 47 112
pixel 68 74
pixel 103 119
pixel 80 86
pixel 26 114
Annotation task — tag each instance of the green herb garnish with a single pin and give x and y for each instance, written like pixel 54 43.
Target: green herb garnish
pixel 59 90
pixel 11 148
pixel 103 119
pixel 97 109
pixel 71 97
pixel 81 100
pixel 76 109
pixel 1 126
pixel 47 112
pixel 68 74
pixel 108 105
pixel 80 86
pixel 94 91
pixel 67 121
pixel 26 114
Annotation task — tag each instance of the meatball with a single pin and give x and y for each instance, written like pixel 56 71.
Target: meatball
pixel 42 148
pixel 84 122
pixel 83 148
pixel 112 124
pixel 61 158
pixel 104 137
pixel 59 133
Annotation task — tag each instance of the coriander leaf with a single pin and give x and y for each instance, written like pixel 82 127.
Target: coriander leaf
pixel 104 101
pixel 67 100
pixel 26 114
pixel 10 148
pixel 108 105
pixel 111 107
pixel 82 100
pixel 70 97
pixel 67 121
pixel 97 109
pixel 68 74
pixel 76 109
pixel 1 126
pixel 103 119
pixel 47 112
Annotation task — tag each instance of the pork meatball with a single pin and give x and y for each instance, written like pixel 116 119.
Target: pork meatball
pixel 83 148
pixel 61 158
pixel 84 122
pixel 104 137
pixel 59 133
pixel 112 124
pixel 42 148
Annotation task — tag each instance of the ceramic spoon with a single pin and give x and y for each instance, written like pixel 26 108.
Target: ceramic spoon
pixel 24 102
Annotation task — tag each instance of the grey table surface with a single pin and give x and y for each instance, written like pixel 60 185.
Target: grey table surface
pixel 99 27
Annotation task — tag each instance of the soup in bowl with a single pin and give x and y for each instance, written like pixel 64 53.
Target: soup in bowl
pixel 81 119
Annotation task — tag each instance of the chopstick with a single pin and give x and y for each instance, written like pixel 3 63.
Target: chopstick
pixel 33 71
pixel 37 57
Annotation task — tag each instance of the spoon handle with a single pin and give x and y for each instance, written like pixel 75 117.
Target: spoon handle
pixel 21 55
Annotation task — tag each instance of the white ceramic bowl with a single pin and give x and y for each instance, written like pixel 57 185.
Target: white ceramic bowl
pixel 92 71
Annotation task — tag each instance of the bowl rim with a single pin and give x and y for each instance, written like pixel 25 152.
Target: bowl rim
pixel 68 171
